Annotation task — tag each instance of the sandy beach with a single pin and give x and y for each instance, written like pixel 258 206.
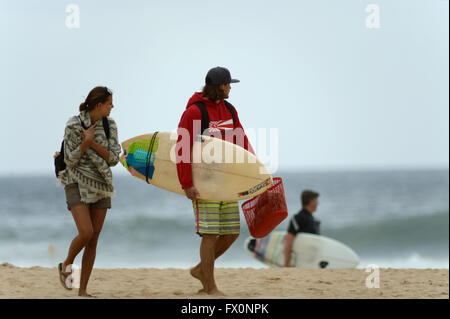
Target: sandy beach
pixel 40 282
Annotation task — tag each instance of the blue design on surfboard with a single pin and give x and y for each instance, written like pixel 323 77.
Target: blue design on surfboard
pixel 138 160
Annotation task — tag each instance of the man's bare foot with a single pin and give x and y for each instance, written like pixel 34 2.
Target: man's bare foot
pixel 85 294
pixel 196 272
pixel 214 292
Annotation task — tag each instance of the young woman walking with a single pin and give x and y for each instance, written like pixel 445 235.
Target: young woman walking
pixel 91 147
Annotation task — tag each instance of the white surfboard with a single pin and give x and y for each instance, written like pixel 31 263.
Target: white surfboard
pixel 308 251
pixel 221 171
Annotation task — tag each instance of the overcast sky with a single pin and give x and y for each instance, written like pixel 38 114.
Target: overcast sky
pixel 341 95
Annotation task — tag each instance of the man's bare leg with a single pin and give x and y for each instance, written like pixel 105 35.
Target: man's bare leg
pixel 222 244
pixel 207 257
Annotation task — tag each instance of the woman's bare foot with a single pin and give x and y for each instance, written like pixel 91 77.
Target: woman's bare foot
pixel 64 269
pixel 196 272
pixel 64 277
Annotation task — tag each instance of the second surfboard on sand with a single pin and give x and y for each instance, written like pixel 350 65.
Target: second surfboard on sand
pixel 308 251
pixel 224 171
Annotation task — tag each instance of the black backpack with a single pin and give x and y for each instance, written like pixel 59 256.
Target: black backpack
pixel 205 114
pixel 60 165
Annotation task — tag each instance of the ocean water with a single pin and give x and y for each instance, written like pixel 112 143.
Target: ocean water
pixel 396 219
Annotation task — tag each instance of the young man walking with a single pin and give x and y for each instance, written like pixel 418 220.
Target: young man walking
pixel 216 222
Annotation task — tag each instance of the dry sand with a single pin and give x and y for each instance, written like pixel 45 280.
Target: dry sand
pixel 39 282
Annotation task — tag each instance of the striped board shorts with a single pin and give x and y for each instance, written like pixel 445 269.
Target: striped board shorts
pixel 212 217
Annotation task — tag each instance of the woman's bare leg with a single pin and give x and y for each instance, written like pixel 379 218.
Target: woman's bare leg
pixel 97 217
pixel 82 218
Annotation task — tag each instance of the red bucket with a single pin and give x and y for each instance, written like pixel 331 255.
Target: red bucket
pixel 266 211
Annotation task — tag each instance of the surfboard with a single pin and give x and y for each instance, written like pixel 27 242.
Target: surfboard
pixel 308 251
pixel 221 171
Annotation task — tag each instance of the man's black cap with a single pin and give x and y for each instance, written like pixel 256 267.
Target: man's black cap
pixel 219 75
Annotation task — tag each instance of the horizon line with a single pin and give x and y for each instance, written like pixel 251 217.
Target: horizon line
pixel 291 169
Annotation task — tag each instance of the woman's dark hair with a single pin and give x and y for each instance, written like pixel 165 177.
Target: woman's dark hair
pixel 213 92
pixel 99 94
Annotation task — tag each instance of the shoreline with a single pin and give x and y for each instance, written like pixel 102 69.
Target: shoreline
pixel 237 283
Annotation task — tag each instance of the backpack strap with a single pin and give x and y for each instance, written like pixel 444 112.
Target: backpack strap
pixel 205 114
pixel 232 111
pixel 106 126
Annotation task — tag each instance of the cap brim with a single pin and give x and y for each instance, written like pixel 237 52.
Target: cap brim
pixel 234 81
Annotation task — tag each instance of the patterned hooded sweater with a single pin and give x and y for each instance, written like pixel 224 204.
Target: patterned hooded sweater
pixel 91 171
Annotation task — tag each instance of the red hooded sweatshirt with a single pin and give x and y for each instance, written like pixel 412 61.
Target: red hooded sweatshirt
pixel 220 118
